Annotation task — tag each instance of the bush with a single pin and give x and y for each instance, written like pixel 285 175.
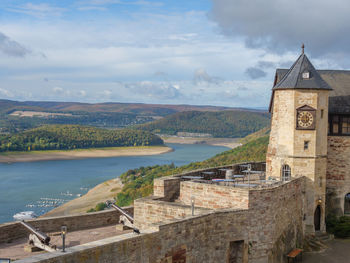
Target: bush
pixel 98 207
pixel 340 227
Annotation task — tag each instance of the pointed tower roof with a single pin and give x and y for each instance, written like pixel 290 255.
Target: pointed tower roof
pixel 302 75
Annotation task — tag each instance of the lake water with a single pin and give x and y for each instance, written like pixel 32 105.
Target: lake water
pixel 36 186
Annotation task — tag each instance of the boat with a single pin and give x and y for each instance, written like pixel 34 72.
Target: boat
pixel 25 215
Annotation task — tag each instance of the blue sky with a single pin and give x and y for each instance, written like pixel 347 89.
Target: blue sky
pixel 217 52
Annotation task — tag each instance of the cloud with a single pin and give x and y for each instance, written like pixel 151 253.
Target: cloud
pixel 11 47
pixel 6 93
pixel 279 26
pixel 255 73
pixel 100 5
pixel 58 90
pixel 41 10
pixel 202 77
pixel 156 90
pixel 82 93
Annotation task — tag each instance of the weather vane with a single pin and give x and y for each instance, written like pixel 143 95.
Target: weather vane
pixel 302 48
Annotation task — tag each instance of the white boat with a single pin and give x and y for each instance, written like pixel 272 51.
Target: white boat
pixel 25 215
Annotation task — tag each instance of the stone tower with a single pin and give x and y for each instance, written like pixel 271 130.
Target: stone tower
pixel 298 139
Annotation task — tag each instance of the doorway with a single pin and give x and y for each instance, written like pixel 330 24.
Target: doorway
pixel 317 218
pixel 347 204
pixel 236 252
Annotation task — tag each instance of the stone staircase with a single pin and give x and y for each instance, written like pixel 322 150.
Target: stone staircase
pixel 317 242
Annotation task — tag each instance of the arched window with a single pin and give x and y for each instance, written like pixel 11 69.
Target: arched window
pixel 347 204
pixel 286 174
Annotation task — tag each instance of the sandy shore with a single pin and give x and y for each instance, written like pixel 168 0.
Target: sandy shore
pixel 11 157
pixel 100 193
pixel 227 142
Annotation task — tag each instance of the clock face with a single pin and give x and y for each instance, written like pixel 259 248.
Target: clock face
pixel 305 119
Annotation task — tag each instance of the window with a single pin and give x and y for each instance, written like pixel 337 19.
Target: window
pixel 306 145
pixel 335 124
pixel 345 125
pixel 286 174
pixel 306 75
pixel 321 114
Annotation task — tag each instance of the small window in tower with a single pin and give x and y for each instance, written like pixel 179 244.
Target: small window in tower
pixel 321 114
pixel 286 173
pixel 306 75
pixel 306 145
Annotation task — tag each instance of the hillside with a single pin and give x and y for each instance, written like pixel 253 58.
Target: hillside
pixel 63 137
pixel 229 124
pixel 17 116
pixel 134 108
pixel 139 182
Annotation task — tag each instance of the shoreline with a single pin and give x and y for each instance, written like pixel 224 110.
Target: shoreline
pixel 226 142
pixel 100 193
pixel 50 155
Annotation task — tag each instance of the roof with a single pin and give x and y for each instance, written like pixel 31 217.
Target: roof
pixel 293 79
pixel 339 81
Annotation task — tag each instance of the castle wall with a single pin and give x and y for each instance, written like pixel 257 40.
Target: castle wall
pixel 338 173
pixel 13 231
pixel 150 210
pixel 167 187
pixel 213 196
pixel 265 233
pixel 276 221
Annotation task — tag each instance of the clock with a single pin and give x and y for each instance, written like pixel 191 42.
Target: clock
pixel 306 118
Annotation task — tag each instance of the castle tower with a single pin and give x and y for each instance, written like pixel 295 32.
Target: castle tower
pixel 298 139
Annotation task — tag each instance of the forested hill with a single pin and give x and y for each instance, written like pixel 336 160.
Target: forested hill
pixel 139 182
pixel 62 137
pixel 228 124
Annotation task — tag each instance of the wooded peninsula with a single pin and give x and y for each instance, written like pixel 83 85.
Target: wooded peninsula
pixel 67 137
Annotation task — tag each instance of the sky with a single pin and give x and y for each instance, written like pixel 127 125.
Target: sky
pixel 200 52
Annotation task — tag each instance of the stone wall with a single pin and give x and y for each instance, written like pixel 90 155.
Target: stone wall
pixel 276 221
pixel 338 173
pixel 265 233
pixel 199 239
pixel 150 210
pixel 213 196
pixel 13 231
pixel 167 187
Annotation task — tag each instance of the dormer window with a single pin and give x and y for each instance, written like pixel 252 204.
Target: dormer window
pixel 306 75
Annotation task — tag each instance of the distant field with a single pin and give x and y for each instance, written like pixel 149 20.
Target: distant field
pixel 38 114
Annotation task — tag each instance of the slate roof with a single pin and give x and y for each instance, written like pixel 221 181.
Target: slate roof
pixel 293 79
pixel 338 80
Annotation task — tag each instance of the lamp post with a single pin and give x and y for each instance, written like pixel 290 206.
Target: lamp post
pixel 63 235
pixel 192 204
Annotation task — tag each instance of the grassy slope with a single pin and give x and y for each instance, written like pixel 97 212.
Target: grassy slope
pixel 219 124
pixel 139 182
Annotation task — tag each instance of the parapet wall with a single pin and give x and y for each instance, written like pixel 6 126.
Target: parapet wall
pixel 213 196
pixel 150 210
pixel 13 231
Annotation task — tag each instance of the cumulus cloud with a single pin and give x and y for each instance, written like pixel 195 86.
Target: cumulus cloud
pixel 280 26
pixel 6 93
pixel 202 77
pixel 11 47
pixel 156 90
pixel 82 93
pixel 255 73
pixel 58 90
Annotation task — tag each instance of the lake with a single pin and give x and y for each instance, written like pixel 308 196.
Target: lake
pixel 39 186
